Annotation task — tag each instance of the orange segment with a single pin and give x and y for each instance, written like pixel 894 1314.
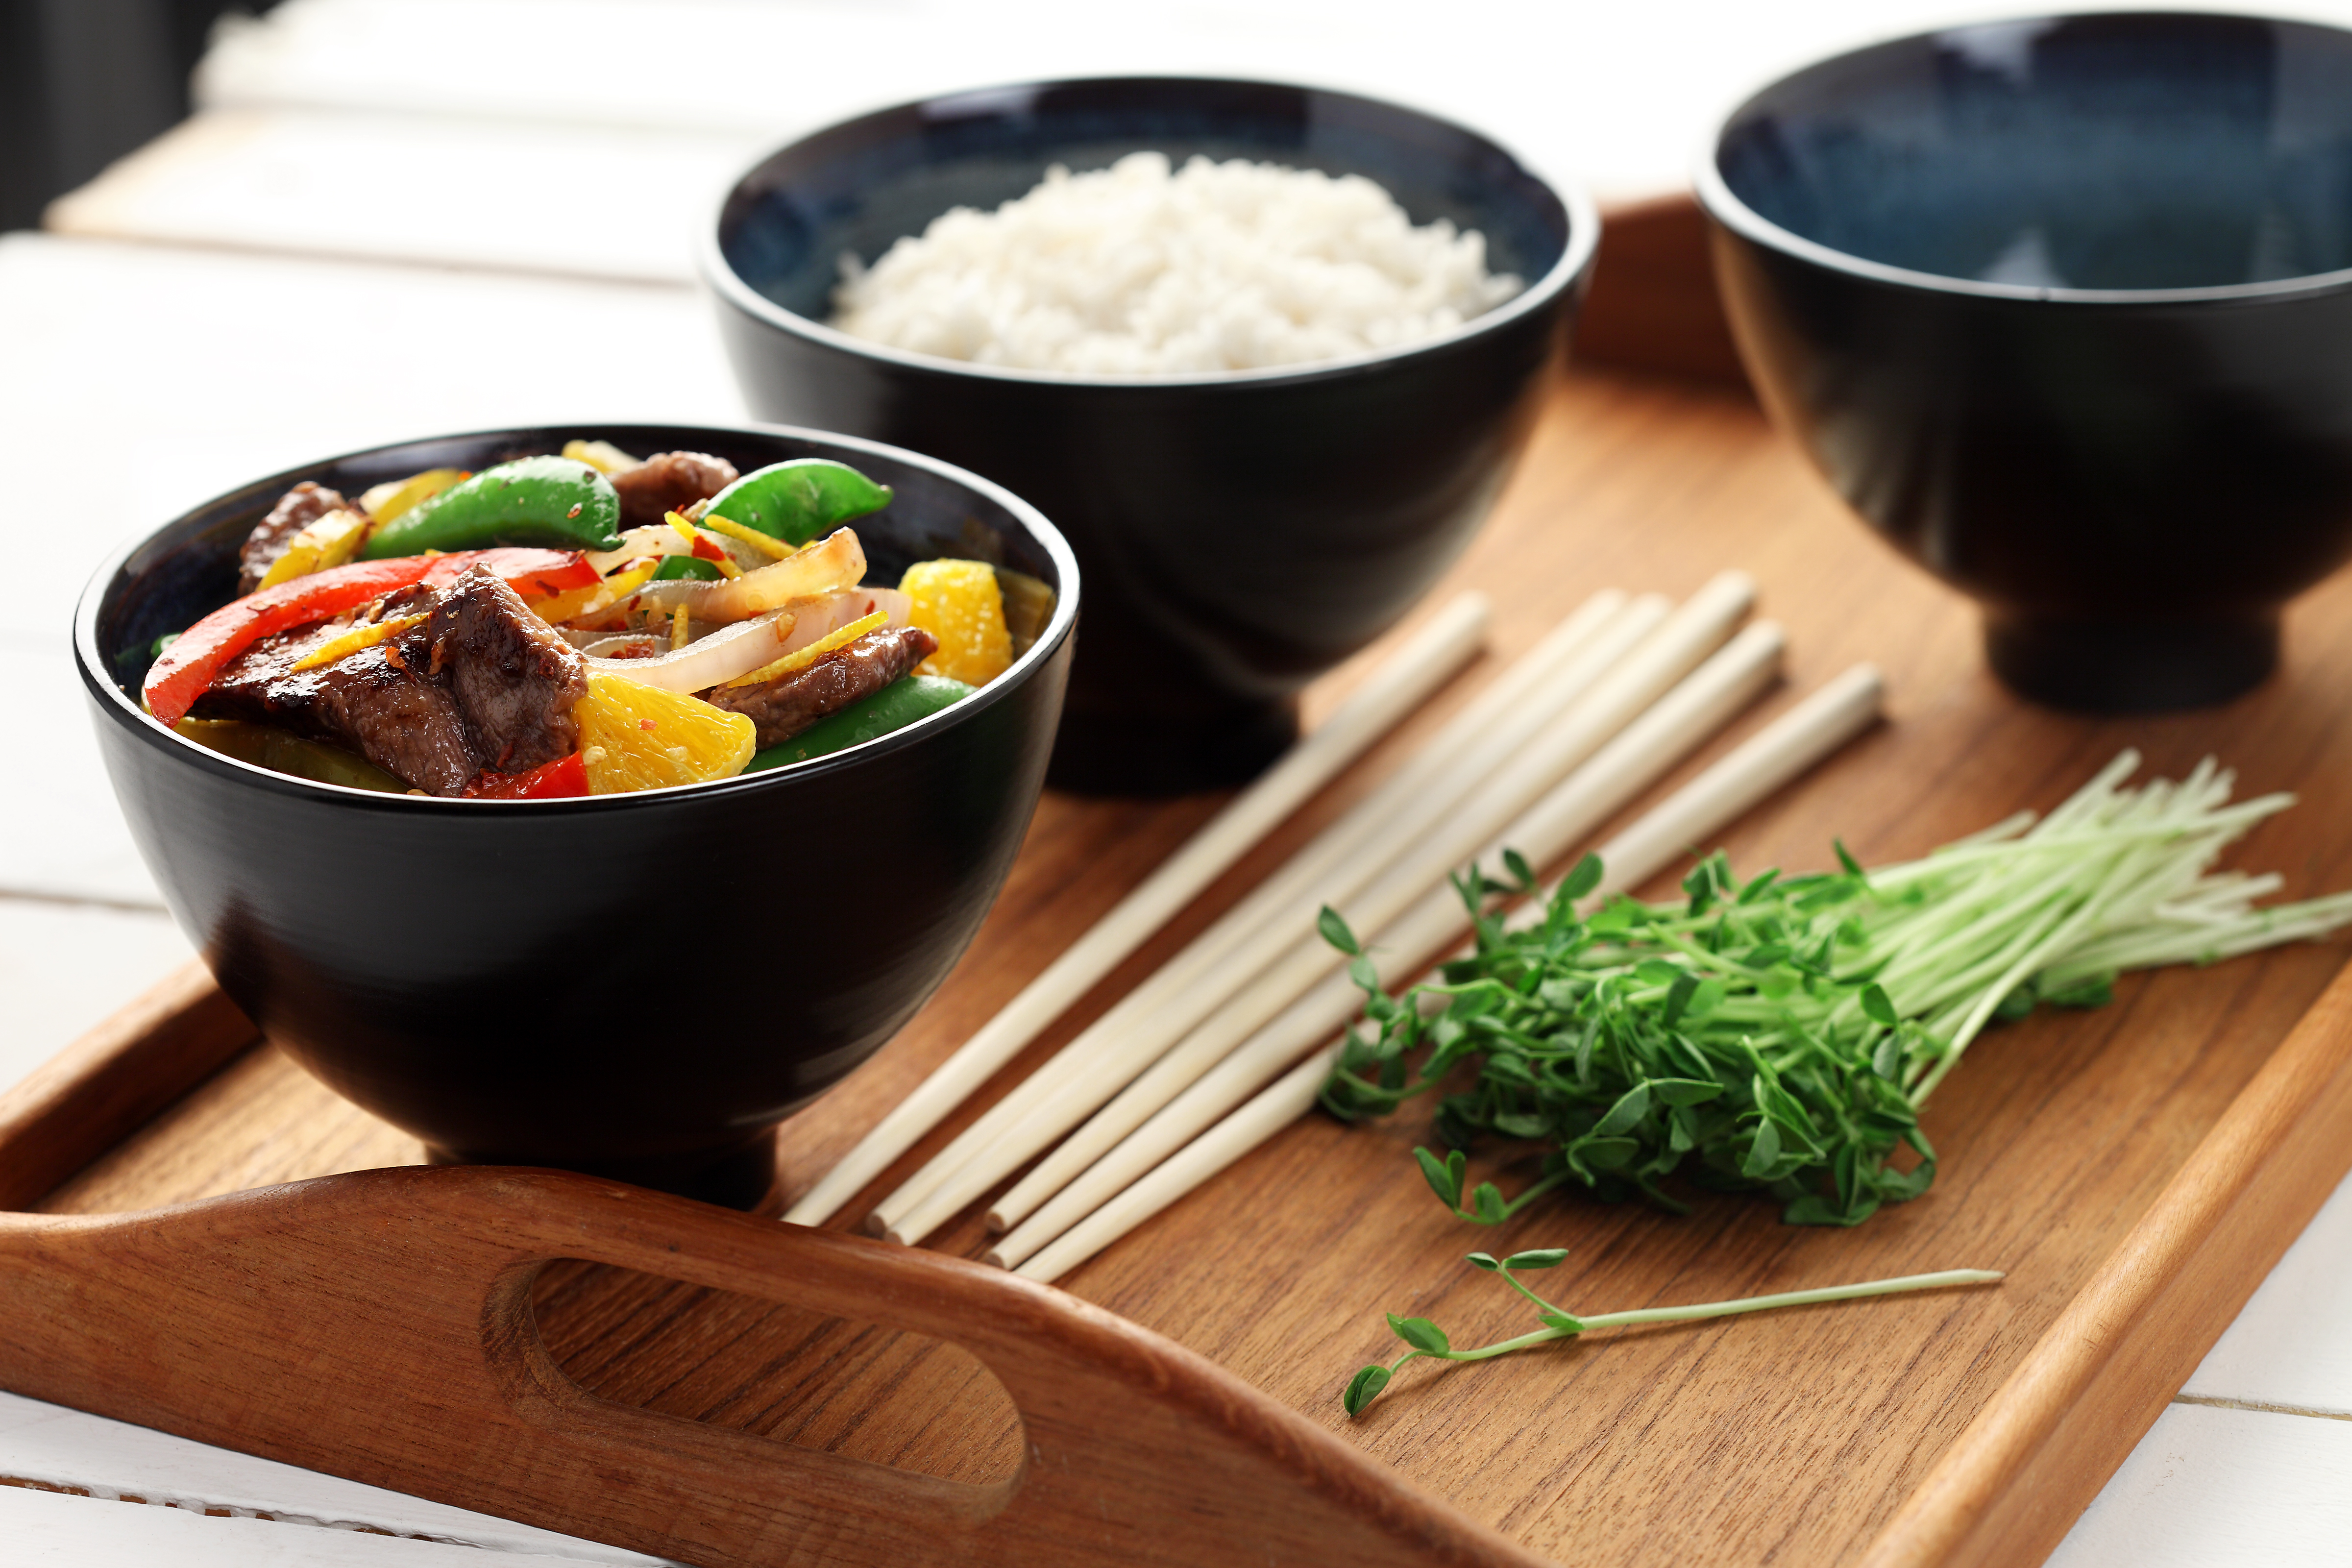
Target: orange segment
pixel 633 736
pixel 958 603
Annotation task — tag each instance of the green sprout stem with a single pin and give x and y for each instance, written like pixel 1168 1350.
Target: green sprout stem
pixel 1424 1339
pixel 1783 1036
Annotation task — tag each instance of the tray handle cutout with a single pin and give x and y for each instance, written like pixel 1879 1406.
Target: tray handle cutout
pixel 378 1326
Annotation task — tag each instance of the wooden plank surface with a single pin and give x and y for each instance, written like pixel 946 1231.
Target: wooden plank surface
pixel 1791 1438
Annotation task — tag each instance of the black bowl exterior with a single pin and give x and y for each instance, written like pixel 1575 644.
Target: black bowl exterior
pixel 634 986
pixel 2131 481
pixel 1242 533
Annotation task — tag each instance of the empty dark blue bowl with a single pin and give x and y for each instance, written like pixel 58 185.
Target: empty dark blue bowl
pixel 1242 532
pixel 635 986
pixel 2062 306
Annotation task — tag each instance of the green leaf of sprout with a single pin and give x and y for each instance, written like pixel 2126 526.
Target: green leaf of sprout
pixel 1756 1019
pixel 1444 1177
pixel 1363 1388
pixel 1540 1258
pixel 1335 930
pixel 1562 1322
pixel 1583 879
pixel 1420 1334
pixel 1845 858
pixel 1486 1260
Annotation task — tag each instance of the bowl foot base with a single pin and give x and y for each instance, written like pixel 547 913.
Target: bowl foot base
pixel 1158 753
pixel 736 1177
pixel 2109 667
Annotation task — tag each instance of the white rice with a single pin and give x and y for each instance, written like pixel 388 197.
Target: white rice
pixel 1136 270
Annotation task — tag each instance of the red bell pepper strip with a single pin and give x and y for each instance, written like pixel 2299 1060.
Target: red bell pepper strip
pixel 531 573
pixel 564 777
pixel 187 668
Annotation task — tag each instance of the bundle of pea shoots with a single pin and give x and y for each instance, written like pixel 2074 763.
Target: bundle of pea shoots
pixel 1782 1034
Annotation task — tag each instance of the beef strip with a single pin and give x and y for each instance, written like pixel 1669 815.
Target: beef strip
pixel 482 685
pixel 299 508
pixel 514 678
pixel 786 706
pixel 668 482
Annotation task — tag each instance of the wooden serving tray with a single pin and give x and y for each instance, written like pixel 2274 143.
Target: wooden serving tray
pixel 724 1390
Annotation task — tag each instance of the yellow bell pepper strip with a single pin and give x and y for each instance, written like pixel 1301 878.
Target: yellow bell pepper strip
pixel 187 668
pixel 775 549
pixel 602 456
pixel 358 637
pixel 329 541
pixel 386 501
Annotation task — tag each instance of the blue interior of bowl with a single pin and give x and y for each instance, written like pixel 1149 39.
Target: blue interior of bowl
pixel 2122 151
pixel 859 187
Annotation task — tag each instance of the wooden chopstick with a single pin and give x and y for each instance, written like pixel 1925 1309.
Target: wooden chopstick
pixel 1350 850
pixel 1399 686
pixel 1696 711
pixel 1416 861
pixel 1614 704
pixel 1788 747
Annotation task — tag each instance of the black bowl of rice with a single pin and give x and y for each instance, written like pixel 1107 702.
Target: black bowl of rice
pixel 1265 354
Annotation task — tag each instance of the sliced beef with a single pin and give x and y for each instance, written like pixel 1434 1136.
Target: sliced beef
pixel 296 509
pixel 670 481
pixel 786 706
pixel 378 702
pixel 483 684
pixel 514 678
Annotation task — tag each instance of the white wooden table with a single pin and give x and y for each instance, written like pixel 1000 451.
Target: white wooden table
pixel 208 340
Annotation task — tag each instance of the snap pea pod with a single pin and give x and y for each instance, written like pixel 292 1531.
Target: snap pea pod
pixel 695 566
pixel 796 501
pixel 894 706
pixel 285 753
pixel 550 501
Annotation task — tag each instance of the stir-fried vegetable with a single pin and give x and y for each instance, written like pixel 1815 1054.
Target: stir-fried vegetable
pixel 296 754
pixel 178 678
pixel 386 501
pixel 535 500
pixel 329 542
pixel 563 778
pixel 665 655
pixel 726 655
pixel 796 501
pixel 894 706
pixel 838 562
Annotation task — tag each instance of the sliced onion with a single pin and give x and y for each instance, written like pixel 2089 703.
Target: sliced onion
pixel 730 651
pixel 637 543
pixel 827 613
pixel 838 562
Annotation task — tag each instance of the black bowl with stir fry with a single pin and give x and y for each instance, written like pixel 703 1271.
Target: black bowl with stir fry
pixel 588 797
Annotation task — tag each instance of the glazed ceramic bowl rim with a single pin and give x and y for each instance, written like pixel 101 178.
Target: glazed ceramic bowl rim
pixel 1727 209
pixel 126 711
pixel 1584 236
